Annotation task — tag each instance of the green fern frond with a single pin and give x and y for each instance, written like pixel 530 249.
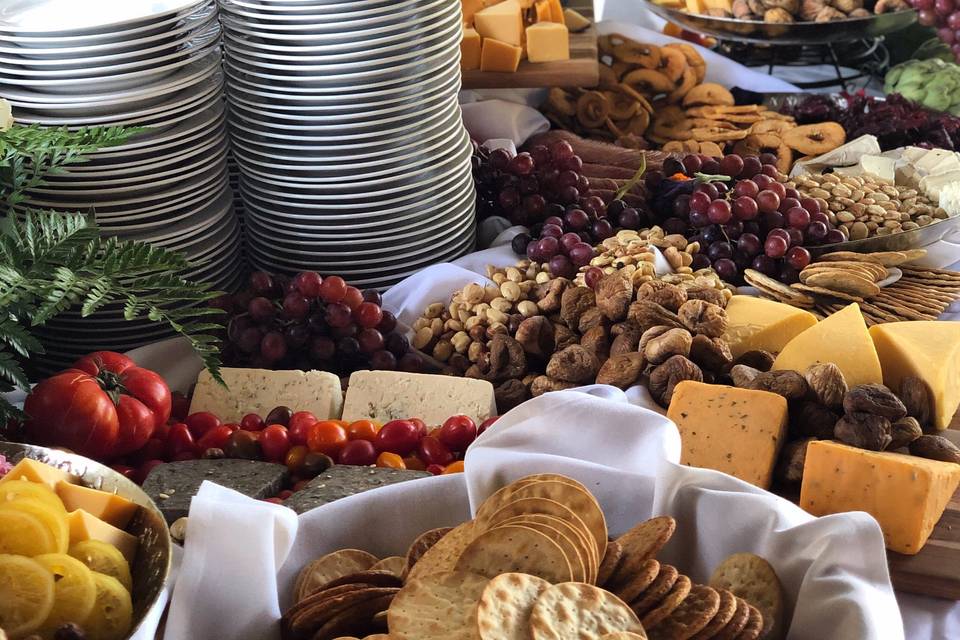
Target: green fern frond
pixel 11 370
pixel 17 336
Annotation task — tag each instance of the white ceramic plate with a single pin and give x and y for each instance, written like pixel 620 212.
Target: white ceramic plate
pixel 89 16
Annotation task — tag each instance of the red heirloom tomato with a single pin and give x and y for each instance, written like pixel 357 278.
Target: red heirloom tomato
pixel 104 407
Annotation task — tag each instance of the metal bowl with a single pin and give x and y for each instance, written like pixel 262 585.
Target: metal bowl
pixel 795 33
pixel 151 568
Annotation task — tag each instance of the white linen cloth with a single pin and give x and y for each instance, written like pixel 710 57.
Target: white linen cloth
pixel 238 550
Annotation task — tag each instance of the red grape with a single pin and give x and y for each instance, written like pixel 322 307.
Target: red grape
pixel 731 165
pixel 551 230
pixel 352 298
pixel 953 20
pixel 249 340
pixel 746 188
pixel 581 254
pixel 835 235
pixel 763 181
pixel 796 236
pixel 368 315
pixel 768 201
pixel 332 289
pixel 261 283
pixel 788 203
pixel 577 219
pixel 817 231
pixel 798 257
pixel 521 165
pixel 296 335
pixel 548 247
pixel 592 277
pixel 810 204
pixel 711 190
pixel 295 306
pixel 719 212
pixel 388 321
pixel 765 265
pixel 261 309
pixel 699 219
pixel 602 229
pixel 541 155
pixel 273 347
pixel 726 269
pixel 337 314
pixel 386 361
pixel 308 283
pixel 926 17
pixel 499 158
pixel 773 220
pixel 745 208
pixel 797 217
pixel 560 149
pixel 948 34
pixel 322 349
pixel 554 220
pixel 699 202
pixel 691 164
pixel 775 246
pixel 771 170
pixel 749 244
pixel 779 189
pixel 630 219
pixel 370 340
pixel 573 163
pixel 719 250
pixel 793 193
pixel 751 166
pixel 944 7
pixel 561 267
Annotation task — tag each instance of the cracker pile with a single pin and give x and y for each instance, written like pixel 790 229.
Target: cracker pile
pixel 534 564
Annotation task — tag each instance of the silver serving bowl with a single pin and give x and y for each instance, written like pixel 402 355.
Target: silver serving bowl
pixel 151 567
pixel 795 33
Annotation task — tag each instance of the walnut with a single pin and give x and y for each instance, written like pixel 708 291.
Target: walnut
pixel 627 342
pixel 544 384
pixel 700 316
pixel 614 293
pixel 712 354
pixel 848 5
pixel 597 341
pixel 741 10
pixel 904 431
pixel 758 359
pixel 790 467
pixel 507 359
pixel 650 334
pixel 777 16
pixel 829 14
pixel 591 318
pixel 667 295
pixel 743 375
pixel 935 448
pixel 648 314
pixel 672 342
pixel 668 375
pixel 550 301
pixel 510 394
pixel 810 8
pixel 863 430
pixel 790 6
pixel 812 419
pixel 916 397
pixel 573 364
pixel 707 294
pixel 788 384
pixel 537 336
pixel 875 399
pixel 827 383
pixel 563 337
pixel 574 302
pixel 622 370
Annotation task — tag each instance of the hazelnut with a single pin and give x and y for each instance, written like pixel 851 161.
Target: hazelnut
pixel 527 308
pixel 502 305
pixel 473 293
pixel 702 317
pixel 422 338
pixel 475 350
pixel 461 341
pixel 443 350
pixel 477 333
pixel 511 291
pixel 495 329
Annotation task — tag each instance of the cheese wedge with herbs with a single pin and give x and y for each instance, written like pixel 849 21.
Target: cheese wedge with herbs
pixel 906 494
pixel 928 350
pixel 842 339
pixel 756 323
pixel 737 431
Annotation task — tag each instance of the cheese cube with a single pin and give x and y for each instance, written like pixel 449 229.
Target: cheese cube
pixel 84 526
pixel 574 21
pixel 109 507
pixel 499 56
pixel 542 9
pixel 260 390
pixel 556 11
pixel 393 395
pixel 470 50
pixel 737 431
pixel 470 9
pixel 756 323
pixel 548 42
pixel 503 22
pixel 842 339
pixel 35 471
pixel 906 494
pixel 929 350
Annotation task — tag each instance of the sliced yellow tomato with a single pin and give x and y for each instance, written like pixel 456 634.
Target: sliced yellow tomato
pixel 26 595
pixel 25 534
pixel 112 614
pixel 103 558
pixel 55 520
pixel 17 489
pixel 74 588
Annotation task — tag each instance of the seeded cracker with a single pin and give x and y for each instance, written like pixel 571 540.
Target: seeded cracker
pixel 515 548
pixel 657 591
pixel 441 606
pixel 639 581
pixel 642 543
pixel 610 562
pixel 573 610
pixel 740 618
pixel 392 564
pixel 693 614
pixel 752 578
pixel 754 628
pixel 506 605
pixel 443 555
pixel 331 566
pixel 681 588
pixel 726 609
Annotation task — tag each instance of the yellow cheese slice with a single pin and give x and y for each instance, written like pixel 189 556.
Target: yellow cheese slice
pixel 548 42
pixel 756 323
pixel 842 339
pixel 928 350
pixel 109 507
pixel 470 50
pixel 499 56
pixel 737 431
pixel 906 494
pixel 34 471
pixel 503 22
pixel 84 526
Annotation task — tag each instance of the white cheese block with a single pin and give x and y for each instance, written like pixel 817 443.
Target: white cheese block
pixel 392 395
pixel 879 166
pixel 946 165
pixel 930 160
pixel 931 185
pixel 260 390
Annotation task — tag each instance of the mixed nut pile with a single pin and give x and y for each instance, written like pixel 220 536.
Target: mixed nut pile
pixel 787 11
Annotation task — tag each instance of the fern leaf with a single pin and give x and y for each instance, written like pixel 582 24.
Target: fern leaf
pixel 100 293
pixel 12 371
pixel 65 290
pixel 19 339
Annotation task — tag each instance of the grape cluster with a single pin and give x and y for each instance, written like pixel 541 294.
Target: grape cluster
pixel 744 216
pixel 944 15
pixel 309 322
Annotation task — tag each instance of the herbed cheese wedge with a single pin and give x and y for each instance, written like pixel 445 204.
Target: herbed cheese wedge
pixel 756 323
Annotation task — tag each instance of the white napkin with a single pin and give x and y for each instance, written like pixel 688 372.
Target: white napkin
pixel 498 118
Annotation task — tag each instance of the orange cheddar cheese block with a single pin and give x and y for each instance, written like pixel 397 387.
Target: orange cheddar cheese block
pixel 906 494
pixel 737 431
pixel 470 50
pixel 502 22
pixel 111 508
pixel 542 9
pixel 499 56
pixel 842 339
pixel 556 12
pixel 35 471
pixel 470 8
pixel 756 323
pixel 928 350
pixel 548 42
pixel 84 526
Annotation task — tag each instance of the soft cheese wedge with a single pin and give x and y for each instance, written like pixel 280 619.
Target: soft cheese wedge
pixel 842 339
pixel 755 323
pixel 928 350
pixel 906 494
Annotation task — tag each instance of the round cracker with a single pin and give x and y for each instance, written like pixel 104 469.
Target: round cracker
pixel 371 577
pixel 693 614
pixel 515 548
pixel 329 567
pixel 610 562
pixel 423 543
pixel 752 578
pixel 754 628
pixel 396 565
pixel 506 604
pixel 643 542
pixel 322 607
pixel 739 620
pixel 443 555
pixel 670 602
pixel 357 618
pixel 657 591
pixel 624 635
pixel 578 610
pixel 635 584
pixel 726 610
pixel 564 535
pixel 441 606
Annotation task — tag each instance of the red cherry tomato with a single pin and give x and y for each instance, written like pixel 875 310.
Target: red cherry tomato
pixel 299 426
pixel 422 428
pixel 275 442
pixel 144 470
pixel 390 460
pixel 126 471
pixel 398 436
pixel 179 440
pixel 435 469
pixel 179 405
pixel 358 452
pixel 201 422
pixel 432 451
pixel 215 438
pixel 486 424
pixel 163 430
pixel 363 430
pixel 251 422
pixel 458 432
pixel 328 437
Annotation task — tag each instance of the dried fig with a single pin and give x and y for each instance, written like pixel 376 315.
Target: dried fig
pixel 563 337
pixel 627 342
pixel 648 314
pixel 622 370
pixel 702 317
pixel 935 448
pixel 712 354
pixel 597 341
pixel 667 295
pixel 550 301
pixel 743 375
pixel 668 375
pixel 847 6
pixel 537 336
pixel 707 294
pixel 741 10
pixel 863 430
pixel 790 466
pixel 812 419
pixel 758 359
pixel 574 302
pixel 788 384
pixel 507 359
pixel 777 16
pixel 916 397
pixel 827 383
pixel 545 384
pixel 614 293
pixel 672 342
pixel 591 318
pixel 904 431
pixel 510 394
pixel 829 14
pixel 810 8
pixel 876 399
pixel 573 364
pixel 790 6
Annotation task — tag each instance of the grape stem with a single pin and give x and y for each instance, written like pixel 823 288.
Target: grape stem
pixel 706 177
pixel 634 181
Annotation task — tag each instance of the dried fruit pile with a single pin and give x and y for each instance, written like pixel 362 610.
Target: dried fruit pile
pixel 788 11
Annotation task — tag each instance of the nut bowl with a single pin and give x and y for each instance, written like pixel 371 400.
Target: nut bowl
pixel 151 568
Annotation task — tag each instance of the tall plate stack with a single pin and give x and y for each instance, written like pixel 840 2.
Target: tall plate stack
pixel 345 125
pixel 145 63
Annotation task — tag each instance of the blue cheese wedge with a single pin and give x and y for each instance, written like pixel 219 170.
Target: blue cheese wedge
pixel 260 390
pixel 392 395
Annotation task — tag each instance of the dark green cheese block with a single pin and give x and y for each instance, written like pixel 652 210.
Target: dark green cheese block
pixel 340 481
pixel 172 485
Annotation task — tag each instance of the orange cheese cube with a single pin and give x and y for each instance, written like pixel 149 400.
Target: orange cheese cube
pixel 556 12
pixel 35 471
pixel 737 431
pixel 503 22
pixel 499 56
pixel 543 13
pixel 906 494
pixel 548 42
pixel 109 507
pixel 84 526
pixel 470 50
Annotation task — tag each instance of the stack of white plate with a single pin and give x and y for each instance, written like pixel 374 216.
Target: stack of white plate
pixel 346 130
pixel 144 63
